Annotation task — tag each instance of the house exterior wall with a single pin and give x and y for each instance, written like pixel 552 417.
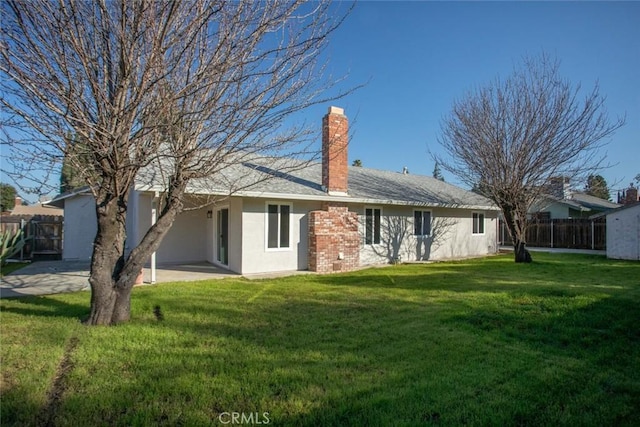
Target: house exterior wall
pixel 623 234
pixel 451 235
pixel 256 257
pixel 80 227
pixel 192 238
pixel 556 210
pixel 186 240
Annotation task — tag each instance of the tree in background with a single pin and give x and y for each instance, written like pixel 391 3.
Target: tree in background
pixel 184 88
pixel 357 163
pixel 7 197
pixel 76 165
pixel 597 187
pixel 510 137
pixel 437 173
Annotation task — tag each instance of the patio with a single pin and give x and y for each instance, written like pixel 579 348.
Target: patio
pixel 52 277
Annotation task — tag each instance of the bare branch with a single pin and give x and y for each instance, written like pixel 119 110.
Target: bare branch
pixel 510 138
pixel 182 88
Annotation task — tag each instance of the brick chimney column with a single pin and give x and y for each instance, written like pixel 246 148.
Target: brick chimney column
pixel 335 128
pixel 631 195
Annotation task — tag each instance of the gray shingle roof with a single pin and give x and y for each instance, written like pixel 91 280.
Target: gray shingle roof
pixel 593 202
pixel 585 202
pixel 287 178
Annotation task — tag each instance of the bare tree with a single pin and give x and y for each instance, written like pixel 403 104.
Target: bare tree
pixel 185 87
pixel 509 138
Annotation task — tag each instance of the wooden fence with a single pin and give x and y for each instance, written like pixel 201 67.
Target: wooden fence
pixel 578 233
pixel 42 233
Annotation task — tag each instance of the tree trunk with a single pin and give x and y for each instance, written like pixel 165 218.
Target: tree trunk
pixel 517 231
pixel 110 303
pixel 112 276
pixel 520 251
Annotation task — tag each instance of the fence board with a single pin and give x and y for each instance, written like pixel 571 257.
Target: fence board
pixel 43 234
pixel 574 233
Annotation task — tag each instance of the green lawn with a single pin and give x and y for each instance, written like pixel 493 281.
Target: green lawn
pixel 11 267
pixel 476 342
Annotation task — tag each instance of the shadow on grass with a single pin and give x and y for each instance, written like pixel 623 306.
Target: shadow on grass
pixel 358 362
pixel 46 306
pixel 351 350
pixel 546 276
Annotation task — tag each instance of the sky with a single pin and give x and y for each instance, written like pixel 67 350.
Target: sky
pixel 416 58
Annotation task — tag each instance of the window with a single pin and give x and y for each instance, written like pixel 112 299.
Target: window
pixel 478 223
pixel 422 223
pixel 372 226
pixel 278 226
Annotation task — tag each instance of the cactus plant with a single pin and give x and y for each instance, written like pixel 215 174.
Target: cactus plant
pixel 10 243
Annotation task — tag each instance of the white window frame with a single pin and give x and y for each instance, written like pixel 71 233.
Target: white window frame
pixel 266 226
pixel 473 222
pixel 364 225
pixel 430 222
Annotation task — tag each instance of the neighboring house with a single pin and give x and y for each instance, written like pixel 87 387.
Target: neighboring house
pixel 623 232
pixel 37 209
pixel 562 203
pixel 42 228
pixel 322 217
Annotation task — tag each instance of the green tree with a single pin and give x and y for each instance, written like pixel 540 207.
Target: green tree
pixel 76 165
pixel 7 197
pixel 357 163
pixel 437 173
pixel 597 187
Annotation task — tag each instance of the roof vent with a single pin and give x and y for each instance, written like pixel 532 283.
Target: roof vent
pixel 405 170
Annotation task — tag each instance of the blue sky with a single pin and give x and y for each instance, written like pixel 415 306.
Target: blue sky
pixel 421 56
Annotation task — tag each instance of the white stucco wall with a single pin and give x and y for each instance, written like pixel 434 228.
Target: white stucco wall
pixel 451 235
pixel 79 227
pixel 256 257
pixel 623 234
pixel 192 237
pixel 186 240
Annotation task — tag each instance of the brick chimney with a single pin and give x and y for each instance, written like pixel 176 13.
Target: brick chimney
pixel 335 128
pixel 631 195
pixel 18 201
pixel 559 187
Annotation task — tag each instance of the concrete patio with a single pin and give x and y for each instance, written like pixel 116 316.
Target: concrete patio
pixel 53 277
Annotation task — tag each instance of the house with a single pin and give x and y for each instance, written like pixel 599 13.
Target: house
pixel 623 232
pixel 42 228
pixel 563 203
pixel 323 217
pixel 37 209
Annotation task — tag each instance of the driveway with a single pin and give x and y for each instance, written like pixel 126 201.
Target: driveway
pixel 54 277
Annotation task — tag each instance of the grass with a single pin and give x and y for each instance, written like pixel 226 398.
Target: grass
pixel 476 342
pixel 11 267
